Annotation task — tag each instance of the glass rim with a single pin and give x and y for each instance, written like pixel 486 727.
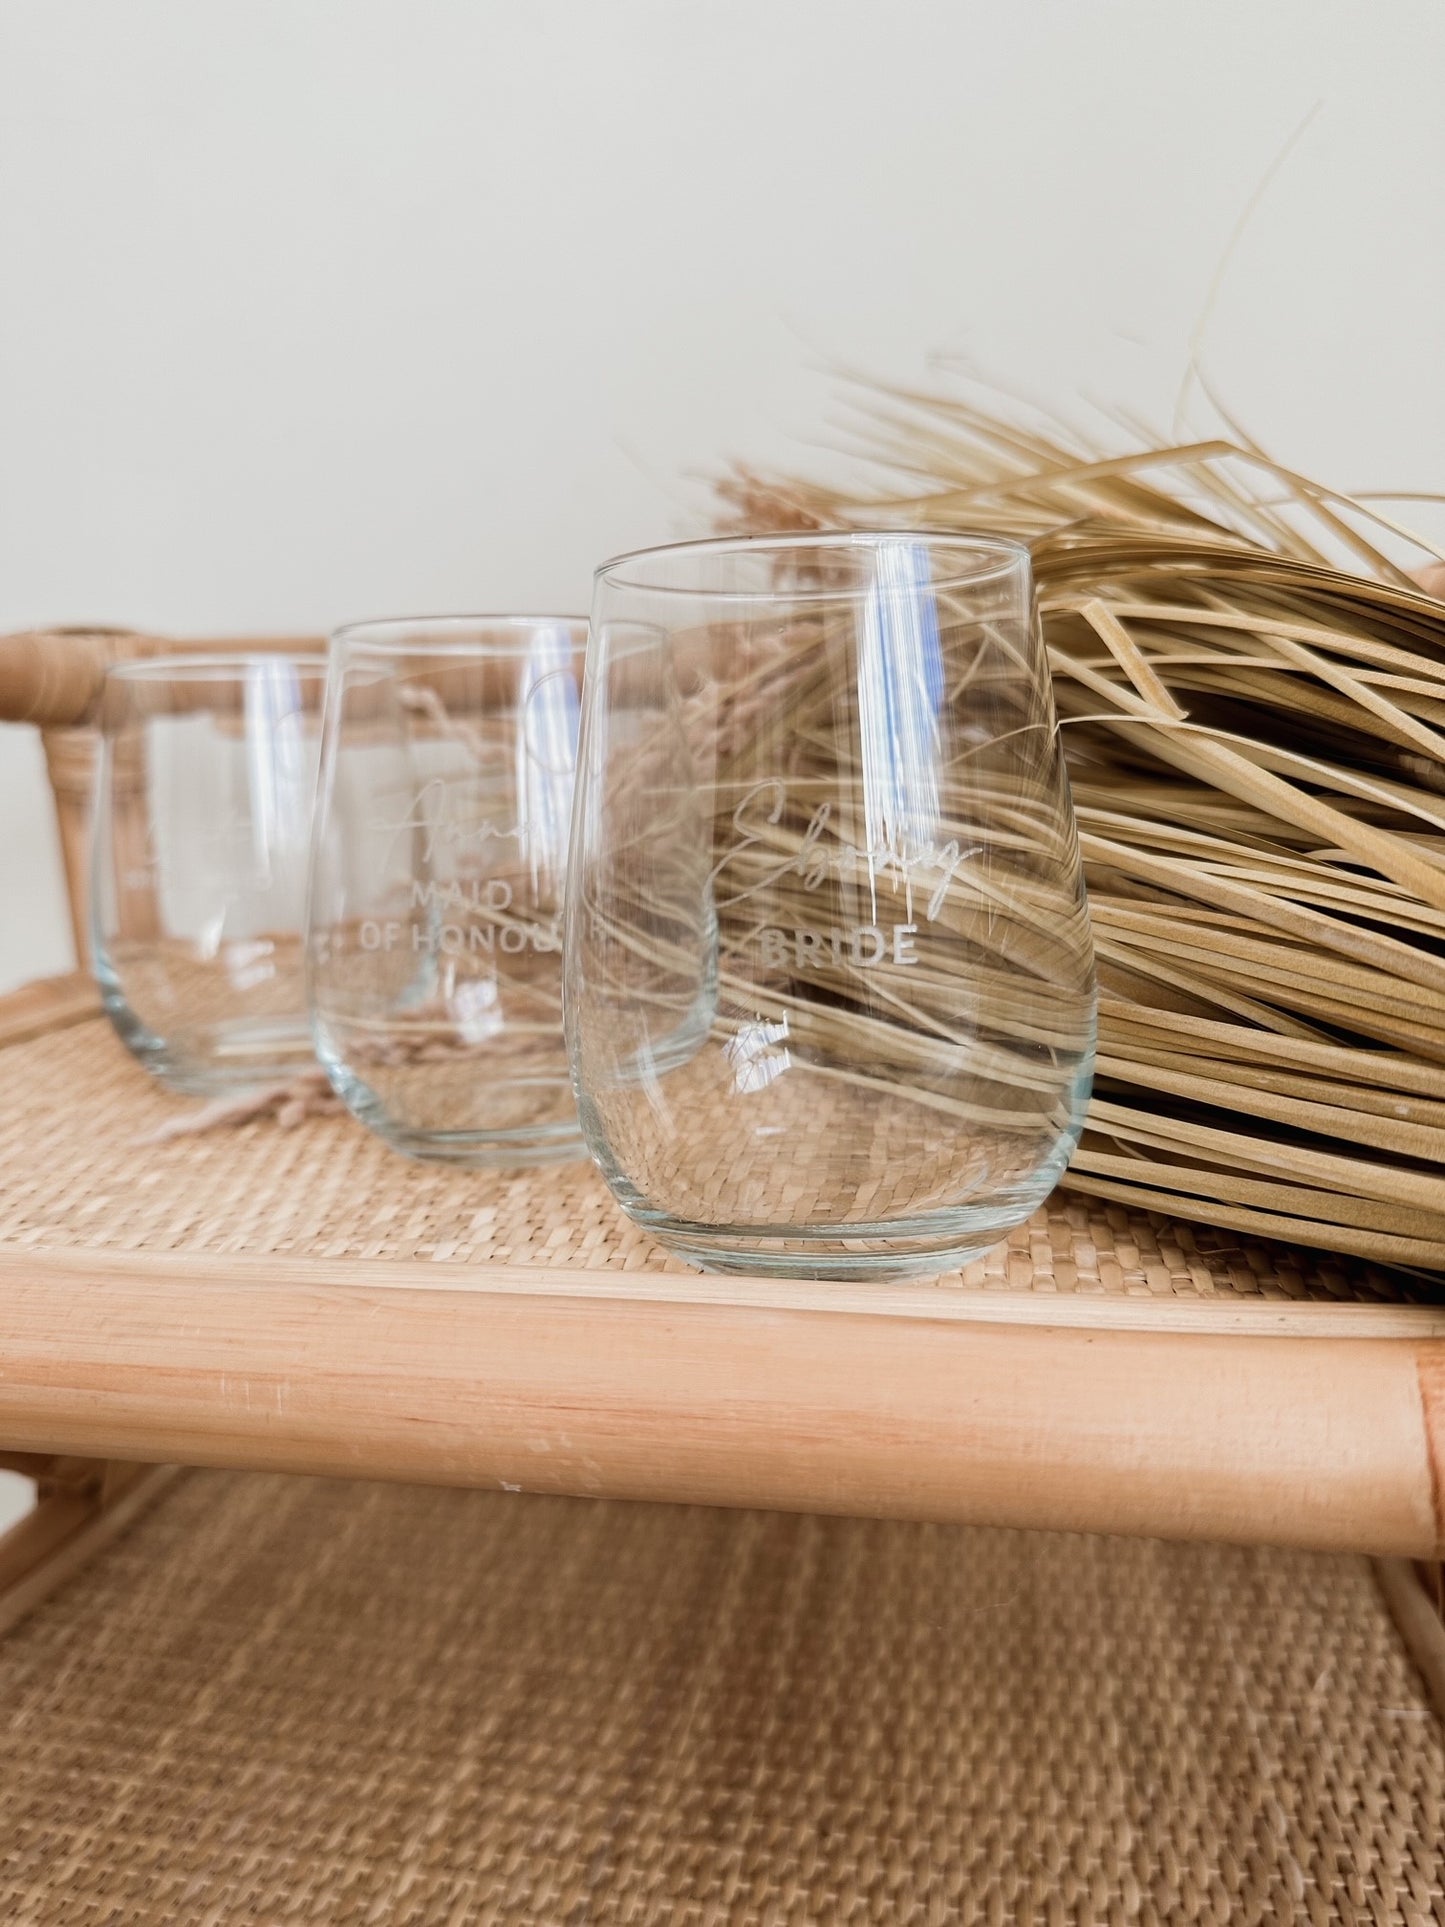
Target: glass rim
pixel 440 635
pixel 213 668
pixel 1003 556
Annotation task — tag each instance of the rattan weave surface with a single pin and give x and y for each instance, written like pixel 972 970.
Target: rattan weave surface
pixel 76 1170
pixel 285 1701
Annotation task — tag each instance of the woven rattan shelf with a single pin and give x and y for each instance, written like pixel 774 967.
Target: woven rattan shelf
pixel 285 1700
pixel 305 1301
pixel 347 1701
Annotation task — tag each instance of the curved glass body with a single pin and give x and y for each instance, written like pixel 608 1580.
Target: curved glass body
pixel 434 956
pixel 202 824
pixel 830 983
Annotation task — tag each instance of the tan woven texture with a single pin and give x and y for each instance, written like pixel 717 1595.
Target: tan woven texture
pixel 328 1188
pixel 290 1701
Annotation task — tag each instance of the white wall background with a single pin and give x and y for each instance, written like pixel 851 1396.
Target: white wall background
pixel 311 309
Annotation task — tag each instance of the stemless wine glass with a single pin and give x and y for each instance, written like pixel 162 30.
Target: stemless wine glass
pixel 198 879
pixel 830 983
pixel 435 922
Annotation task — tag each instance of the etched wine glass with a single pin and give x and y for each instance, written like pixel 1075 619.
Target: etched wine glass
pixel 202 825
pixel 829 974
pixel 434 956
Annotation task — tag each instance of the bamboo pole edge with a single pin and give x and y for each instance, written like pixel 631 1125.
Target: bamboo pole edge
pixel 1075 1431
pixel 1418 1623
pixel 82 1532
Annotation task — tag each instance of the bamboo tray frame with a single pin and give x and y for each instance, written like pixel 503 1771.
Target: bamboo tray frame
pixel 1317 1424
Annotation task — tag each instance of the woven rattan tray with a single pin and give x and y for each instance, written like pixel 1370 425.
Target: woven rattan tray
pixel 303 1300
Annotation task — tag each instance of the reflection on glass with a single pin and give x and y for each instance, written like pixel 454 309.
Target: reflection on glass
pixel 900 686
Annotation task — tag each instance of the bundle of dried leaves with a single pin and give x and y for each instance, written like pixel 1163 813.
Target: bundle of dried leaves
pixel 1250 675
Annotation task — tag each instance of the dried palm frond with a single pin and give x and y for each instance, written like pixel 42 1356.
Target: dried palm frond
pixel 1251 684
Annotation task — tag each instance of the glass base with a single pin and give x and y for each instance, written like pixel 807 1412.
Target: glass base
pixel 854 1253
pixel 224 1059
pixel 544 1141
pixel 495 1149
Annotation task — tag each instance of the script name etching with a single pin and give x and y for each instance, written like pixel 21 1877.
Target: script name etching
pixel 906 866
pixel 432 811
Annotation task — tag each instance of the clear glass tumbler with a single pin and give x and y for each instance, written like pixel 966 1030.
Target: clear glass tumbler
pixel 830 981
pixel 435 921
pixel 203 806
